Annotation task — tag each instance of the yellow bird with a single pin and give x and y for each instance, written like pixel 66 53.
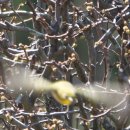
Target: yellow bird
pixel 63 92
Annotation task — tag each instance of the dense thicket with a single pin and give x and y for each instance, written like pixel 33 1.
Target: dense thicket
pixel 64 64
